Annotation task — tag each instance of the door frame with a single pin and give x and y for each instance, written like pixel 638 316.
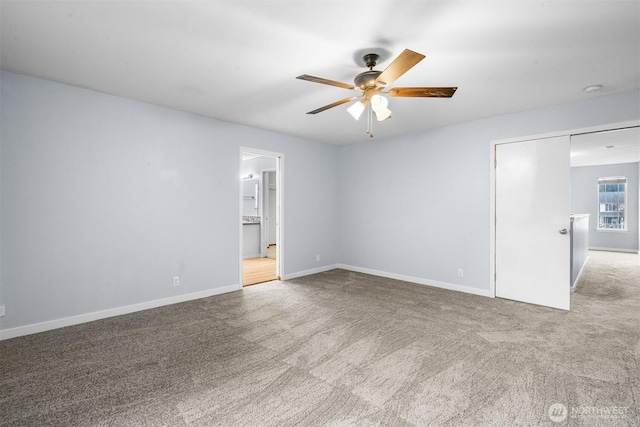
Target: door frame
pixel 264 232
pixel 279 207
pixel 492 180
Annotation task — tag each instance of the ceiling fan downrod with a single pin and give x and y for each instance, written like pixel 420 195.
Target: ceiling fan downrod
pixel 370 60
pixel 370 120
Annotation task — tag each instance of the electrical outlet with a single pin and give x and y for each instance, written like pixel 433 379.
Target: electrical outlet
pixel 460 272
pixel 317 257
pixel 1 310
pixel 176 280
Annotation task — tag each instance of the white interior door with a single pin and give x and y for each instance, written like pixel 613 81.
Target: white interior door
pixel 532 221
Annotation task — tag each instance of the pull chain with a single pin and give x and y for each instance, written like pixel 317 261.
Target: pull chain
pixel 370 121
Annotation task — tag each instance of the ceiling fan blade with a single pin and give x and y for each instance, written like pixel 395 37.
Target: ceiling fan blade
pixel 335 104
pixel 325 81
pixel 403 63
pixel 423 92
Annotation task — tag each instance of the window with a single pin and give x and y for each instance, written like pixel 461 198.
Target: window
pixel 612 199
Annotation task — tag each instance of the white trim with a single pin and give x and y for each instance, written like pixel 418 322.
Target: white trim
pixel 402 277
pixel 419 281
pixel 492 178
pixel 569 132
pixel 258 255
pixel 264 232
pixel 574 285
pixel 492 221
pixel 280 216
pixel 111 312
pixel 240 214
pixel 311 271
pixel 630 251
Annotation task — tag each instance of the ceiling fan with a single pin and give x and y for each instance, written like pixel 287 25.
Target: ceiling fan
pixel 372 84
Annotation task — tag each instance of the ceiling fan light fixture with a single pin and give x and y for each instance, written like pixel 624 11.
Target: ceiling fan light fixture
pixel 383 114
pixel 379 103
pixel 356 109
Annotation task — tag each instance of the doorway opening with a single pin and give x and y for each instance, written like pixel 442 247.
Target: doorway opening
pixel 604 193
pixel 567 183
pixel 260 216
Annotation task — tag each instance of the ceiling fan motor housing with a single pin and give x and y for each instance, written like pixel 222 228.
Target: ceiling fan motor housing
pixel 367 79
pixel 371 59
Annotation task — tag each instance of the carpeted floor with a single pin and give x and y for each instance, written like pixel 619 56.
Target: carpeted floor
pixel 342 348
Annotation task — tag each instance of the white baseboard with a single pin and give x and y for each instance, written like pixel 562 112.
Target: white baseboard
pixel 629 251
pixel 118 311
pixel 309 272
pixel 112 312
pixel 419 280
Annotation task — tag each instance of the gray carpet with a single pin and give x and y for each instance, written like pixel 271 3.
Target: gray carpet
pixel 341 348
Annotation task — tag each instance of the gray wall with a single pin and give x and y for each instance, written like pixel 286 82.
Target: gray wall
pixel 104 199
pixel 418 205
pixel 584 199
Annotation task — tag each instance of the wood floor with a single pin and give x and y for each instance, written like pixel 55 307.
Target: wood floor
pixel 258 270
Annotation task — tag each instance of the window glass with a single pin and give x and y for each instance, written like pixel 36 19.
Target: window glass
pixel 612 203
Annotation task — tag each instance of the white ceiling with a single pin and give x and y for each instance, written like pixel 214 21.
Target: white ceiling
pixel 606 148
pixel 237 60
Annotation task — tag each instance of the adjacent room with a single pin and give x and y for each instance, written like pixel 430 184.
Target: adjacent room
pixel 259 218
pixel 319 213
